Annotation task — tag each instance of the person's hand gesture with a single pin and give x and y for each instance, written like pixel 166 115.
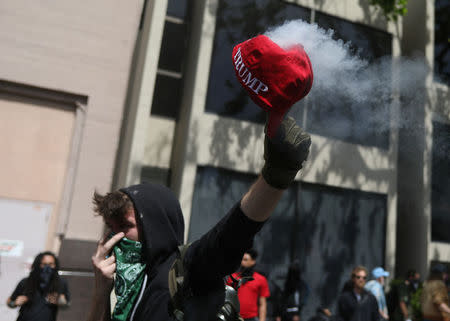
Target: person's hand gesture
pixel 52 298
pixel 104 263
pixel 21 300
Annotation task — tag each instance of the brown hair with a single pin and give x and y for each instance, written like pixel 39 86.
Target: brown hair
pixel 111 206
pixel 358 269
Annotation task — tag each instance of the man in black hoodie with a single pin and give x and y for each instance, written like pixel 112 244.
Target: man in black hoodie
pixel 147 227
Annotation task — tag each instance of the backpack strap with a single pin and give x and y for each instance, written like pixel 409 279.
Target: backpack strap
pixel 177 287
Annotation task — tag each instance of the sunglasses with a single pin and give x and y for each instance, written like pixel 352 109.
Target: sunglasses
pixel 360 277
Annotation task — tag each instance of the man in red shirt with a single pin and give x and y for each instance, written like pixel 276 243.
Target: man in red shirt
pixel 252 294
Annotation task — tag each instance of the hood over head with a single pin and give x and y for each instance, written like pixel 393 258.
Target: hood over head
pixel 160 220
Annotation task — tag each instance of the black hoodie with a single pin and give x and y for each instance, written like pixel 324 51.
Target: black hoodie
pixel 208 260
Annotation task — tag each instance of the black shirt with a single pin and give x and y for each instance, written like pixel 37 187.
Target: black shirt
pixel 37 308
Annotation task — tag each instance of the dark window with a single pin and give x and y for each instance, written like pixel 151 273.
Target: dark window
pixel 172 47
pixel 177 8
pixel 169 79
pixel 441 40
pixel 167 95
pixel 329 230
pixel 440 195
pixel 339 117
pixel 366 42
pixel 237 21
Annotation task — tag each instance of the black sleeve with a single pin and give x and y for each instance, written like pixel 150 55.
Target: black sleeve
pixel 219 252
pixel 19 290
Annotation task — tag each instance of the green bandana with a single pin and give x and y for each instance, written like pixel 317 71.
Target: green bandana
pixel 130 272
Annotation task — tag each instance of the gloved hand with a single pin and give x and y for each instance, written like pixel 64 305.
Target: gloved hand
pixel 285 153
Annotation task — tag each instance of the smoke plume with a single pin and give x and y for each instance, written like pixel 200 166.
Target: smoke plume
pixel 341 77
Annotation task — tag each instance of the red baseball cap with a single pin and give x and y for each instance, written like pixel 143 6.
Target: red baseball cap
pixel 274 78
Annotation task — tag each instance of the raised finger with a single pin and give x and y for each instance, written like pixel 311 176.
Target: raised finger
pixel 112 241
pixel 104 246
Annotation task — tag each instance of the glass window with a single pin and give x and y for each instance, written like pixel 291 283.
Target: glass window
pixel 173 47
pixel 237 21
pixel 440 183
pixel 177 8
pixel 367 42
pixel 167 96
pixel 441 40
pixel 328 230
pixel 339 117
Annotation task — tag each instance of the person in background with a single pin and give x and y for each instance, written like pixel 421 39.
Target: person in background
pixel 376 287
pixel 295 294
pixel 274 301
pixel 355 303
pixel 40 294
pixel 434 299
pixel 402 296
pixel 254 289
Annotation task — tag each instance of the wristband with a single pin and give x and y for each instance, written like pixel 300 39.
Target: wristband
pixel 12 304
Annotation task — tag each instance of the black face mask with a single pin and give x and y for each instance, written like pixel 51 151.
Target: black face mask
pixel 45 276
pixel 243 271
pixel 246 274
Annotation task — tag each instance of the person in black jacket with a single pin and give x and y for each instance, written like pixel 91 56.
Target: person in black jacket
pixel 40 294
pixel 295 294
pixel 355 303
pixel 147 227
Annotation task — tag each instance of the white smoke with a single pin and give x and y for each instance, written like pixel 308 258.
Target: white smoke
pixel 337 72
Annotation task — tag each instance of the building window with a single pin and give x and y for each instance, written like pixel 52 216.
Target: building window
pixel 169 77
pixel 237 21
pixel 177 8
pixel 440 183
pixel 329 230
pixel 441 41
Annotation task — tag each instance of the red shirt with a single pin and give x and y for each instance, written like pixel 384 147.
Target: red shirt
pixel 249 294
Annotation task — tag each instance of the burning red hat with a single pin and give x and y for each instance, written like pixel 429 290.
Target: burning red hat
pixel 274 78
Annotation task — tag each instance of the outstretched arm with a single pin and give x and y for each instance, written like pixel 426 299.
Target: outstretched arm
pixel 284 155
pixel 260 200
pixel 221 249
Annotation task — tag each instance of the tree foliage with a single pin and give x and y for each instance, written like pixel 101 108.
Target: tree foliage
pixel 392 9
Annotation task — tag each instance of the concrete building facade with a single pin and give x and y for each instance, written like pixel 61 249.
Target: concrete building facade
pixel 100 95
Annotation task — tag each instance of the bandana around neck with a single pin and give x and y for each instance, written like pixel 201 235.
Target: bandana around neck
pixel 130 272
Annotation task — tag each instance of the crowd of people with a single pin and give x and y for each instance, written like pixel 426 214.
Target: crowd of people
pixel 41 294
pixel 360 300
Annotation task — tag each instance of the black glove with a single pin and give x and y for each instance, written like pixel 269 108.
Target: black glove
pixel 285 153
